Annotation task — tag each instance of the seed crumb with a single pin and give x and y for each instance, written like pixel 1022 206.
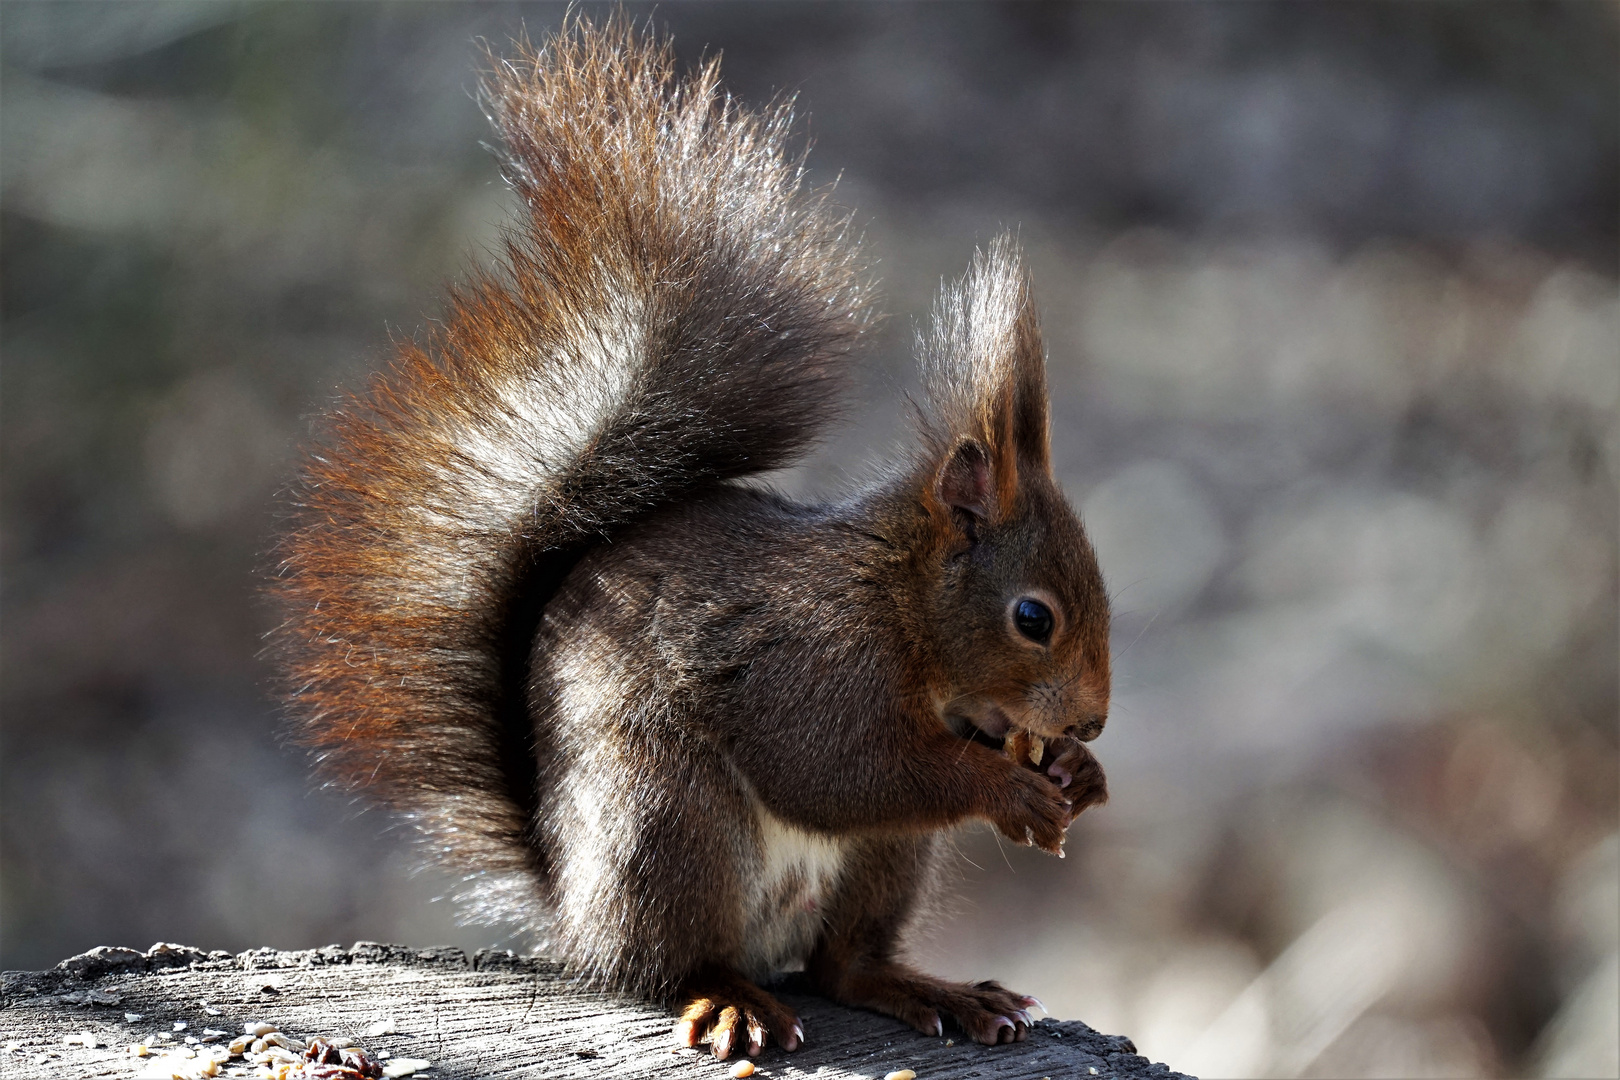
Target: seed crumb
pixel 743 1068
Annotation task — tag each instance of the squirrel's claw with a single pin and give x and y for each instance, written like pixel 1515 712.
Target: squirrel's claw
pixel 1036 812
pixel 1087 786
pixel 724 1033
pixel 730 1013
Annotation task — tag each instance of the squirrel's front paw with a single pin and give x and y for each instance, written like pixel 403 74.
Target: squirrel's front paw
pixel 1034 811
pixel 1077 771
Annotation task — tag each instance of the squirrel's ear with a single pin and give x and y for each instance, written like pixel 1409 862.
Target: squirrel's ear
pixel 1030 421
pixel 985 371
pixel 964 483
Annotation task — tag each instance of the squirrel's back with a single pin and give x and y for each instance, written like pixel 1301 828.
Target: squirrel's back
pixel 671 310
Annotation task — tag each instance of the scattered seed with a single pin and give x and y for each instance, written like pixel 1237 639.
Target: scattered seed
pixel 356 1058
pixel 178 1025
pixel 743 1068
pixel 260 1029
pixel 238 1046
pixel 902 1074
pixel 133 1018
pixel 406 1066
pixel 179 1065
pixel 382 1027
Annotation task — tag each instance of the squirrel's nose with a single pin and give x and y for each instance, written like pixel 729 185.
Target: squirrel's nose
pixel 1090 729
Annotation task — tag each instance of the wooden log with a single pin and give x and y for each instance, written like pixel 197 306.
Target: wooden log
pixel 493 1014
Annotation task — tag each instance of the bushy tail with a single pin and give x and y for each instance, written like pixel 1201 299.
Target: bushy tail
pixel 672 309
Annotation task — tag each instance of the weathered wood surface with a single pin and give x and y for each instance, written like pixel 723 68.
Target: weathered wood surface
pixel 491 1015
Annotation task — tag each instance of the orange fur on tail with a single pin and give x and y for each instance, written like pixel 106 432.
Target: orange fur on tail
pixel 671 309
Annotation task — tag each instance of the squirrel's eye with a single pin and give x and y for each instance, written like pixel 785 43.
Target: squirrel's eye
pixel 1033 619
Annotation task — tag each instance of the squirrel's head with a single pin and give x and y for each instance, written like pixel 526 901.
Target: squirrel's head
pixel 1013 594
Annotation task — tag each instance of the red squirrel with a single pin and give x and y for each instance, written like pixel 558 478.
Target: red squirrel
pixel 691 732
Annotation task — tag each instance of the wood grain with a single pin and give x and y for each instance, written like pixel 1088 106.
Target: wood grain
pixel 490 1015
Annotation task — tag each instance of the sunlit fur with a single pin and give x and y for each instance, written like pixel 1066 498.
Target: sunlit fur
pixel 671 309
pixel 695 731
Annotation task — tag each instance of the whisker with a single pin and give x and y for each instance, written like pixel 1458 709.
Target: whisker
pixel 996 834
pixel 1123 590
pixel 1145 628
pixel 957 847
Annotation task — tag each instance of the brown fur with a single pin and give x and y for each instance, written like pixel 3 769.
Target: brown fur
pixel 699 732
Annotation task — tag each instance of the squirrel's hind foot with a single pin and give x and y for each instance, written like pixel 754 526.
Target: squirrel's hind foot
pixel 728 1012
pixel 986 1011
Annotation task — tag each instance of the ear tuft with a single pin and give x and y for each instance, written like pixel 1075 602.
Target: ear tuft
pixel 984 369
pixel 965 482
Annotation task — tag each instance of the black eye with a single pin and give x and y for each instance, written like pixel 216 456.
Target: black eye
pixel 1033 619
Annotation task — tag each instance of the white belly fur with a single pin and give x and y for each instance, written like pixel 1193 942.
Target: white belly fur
pixel 794 879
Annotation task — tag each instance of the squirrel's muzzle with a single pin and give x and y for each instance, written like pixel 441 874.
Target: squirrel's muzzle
pixel 1090 729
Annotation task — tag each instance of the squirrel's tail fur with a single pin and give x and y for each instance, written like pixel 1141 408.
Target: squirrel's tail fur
pixel 672 310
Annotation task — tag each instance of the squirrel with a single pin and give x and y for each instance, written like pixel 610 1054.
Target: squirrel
pixel 691 731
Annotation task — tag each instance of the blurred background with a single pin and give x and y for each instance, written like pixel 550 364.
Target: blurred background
pixel 1330 292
